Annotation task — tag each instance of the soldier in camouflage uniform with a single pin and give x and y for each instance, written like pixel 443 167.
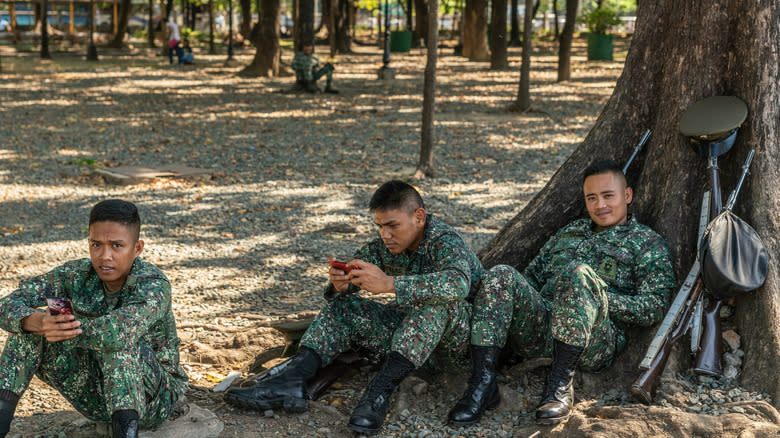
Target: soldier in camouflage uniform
pixel 116 358
pixel 431 272
pixel 307 70
pixel 590 280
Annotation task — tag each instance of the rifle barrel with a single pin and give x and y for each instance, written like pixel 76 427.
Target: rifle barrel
pixel 638 147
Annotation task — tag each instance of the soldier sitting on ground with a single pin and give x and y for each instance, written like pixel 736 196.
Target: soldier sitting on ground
pixel 115 357
pixel 429 269
pixel 573 301
pixel 307 70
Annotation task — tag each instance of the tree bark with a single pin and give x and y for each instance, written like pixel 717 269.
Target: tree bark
pixel 246 18
pixel 670 65
pixel 523 101
pixel 306 26
pixel 150 30
pixel 266 60
pixel 564 50
pixel 343 27
pixel 121 29
pixel 498 58
pixel 211 27
pixel 425 167
pixel 475 45
pixel 44 22
pixel 420 33
pixel 514 34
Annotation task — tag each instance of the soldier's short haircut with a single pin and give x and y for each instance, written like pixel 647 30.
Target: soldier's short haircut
pixel 604 166
pixel 396 194
pixel 117 210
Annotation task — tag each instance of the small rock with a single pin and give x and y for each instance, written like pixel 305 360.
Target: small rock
pixel 268 413
pixel 419 388
pixel 738 409
pixel 726 311
pixel 732 359
pixel 731 372
pixel 732 339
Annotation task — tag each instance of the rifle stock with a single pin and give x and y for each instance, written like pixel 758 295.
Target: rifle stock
pixel 643 387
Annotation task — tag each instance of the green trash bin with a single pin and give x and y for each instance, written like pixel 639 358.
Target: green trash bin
pixel 400 41
pixel 600 47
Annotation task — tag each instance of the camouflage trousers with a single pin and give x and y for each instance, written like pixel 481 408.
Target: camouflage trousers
pixel 577 313
pixel 96 384
pixel 433 336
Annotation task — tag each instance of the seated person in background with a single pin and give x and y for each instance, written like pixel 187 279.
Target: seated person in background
pixel 307 70
pixel 116 356
pixel 5 26
pixel 186 56
pixel 429 269
pixel 573 301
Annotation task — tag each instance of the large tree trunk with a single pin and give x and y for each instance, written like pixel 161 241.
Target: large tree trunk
pixel 425 167
pixel 150 30
pixel 475 45
pixel 670 65
pixel 564 50
pixel 124 15
pixel 498 60
pixel 266 61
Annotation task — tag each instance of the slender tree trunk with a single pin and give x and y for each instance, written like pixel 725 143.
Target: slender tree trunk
pixel 514 34
pixel 669 66
pixel 330 19
pixel 266 60
pixel 425 167
pixel 523 101
pixel 212 50
pixel 44 21
pixel 150 30
pixel 343 26
pixel 498 59
pixel 118 41
pixel 555 16
pixel 564 50
pixel 475 45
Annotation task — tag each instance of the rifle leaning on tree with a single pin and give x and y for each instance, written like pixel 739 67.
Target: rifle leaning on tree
pixel 731 259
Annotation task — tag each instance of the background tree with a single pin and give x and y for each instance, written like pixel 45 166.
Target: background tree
pixel 498 59
pixel 420 33
pixel 266 60
pixel 670 65
pixel 564 50
pixel 150 25
pixel 246 18
pixel 44 23
pixel 475 45
pixel 425 167
pixel 523 101
pixel 121 27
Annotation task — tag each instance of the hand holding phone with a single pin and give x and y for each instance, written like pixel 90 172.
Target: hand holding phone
pixel 342 266
pixel 59 306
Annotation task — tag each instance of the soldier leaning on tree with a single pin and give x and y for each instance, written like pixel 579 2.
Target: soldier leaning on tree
pixel 430 270
pixel 115 358
pixel 572 302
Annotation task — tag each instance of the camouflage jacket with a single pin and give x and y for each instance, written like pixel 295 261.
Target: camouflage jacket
pixel 633 260
pixel 304 65
pixel 443 269
pixel 141 310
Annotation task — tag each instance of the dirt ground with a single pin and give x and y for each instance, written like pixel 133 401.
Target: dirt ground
pixel 289 179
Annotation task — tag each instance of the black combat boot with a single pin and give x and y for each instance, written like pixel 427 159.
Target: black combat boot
pixel 329 88
pixel 558 396
pixel 124 424
pixel 482 392
pixel 8 401
pixel 283 386
pixel 369 415
pixel 311 87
